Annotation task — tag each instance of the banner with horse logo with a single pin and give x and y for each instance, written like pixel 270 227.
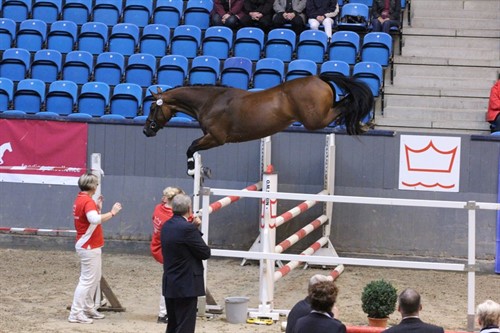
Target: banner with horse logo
pixel 42 152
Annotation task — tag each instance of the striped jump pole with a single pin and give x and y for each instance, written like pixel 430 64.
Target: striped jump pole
pixel 303 232
pixel 297 210
pixel 226 201
pixel 38 231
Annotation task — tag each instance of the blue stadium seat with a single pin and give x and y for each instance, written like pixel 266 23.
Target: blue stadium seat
pixel 197 13
pixel 6 93
pixel 94 98
pixel 186 41
pixel 16 10
pixel 372 74
pixel 31 35
pixel 204 70
pixel 29 95
pixel 368 3
pixel 312 45
pixel 377 47
pixel 107 11
pixel 344 46
pixel 46 115
pixel 155 40
pixel 148 98
pixel 93 37
pixel 46 10
pixel 15 64
pixel 137 12
pixel 78 67
pixel 249 43
pixel 335 67
pixel 280 44
pixel 62 36
pixel 354 17
pixel 269 72
pixel 172 70
pixel 61 97
pixel 141 69
pixel 7 33
pixel 168 12
pixel 16 113
pixel 79 116
pixel 77 11
pixel 46 65
pixel 109 68
pixel 124 38
pixel 237 72
pixel 113 117
pixel 126 100
pixel 300 68
pixel 217 42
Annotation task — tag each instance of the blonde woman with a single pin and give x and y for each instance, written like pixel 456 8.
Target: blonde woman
pixel 488 316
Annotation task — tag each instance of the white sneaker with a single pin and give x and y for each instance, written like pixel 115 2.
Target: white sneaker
pixel 94 314
pixel 80 319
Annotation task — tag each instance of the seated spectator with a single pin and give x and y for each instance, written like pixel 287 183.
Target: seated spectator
pixel 322 12
pixel 228 13
pixel 386 14
pixel 494 108
pixel 320 320
pixel 488 316
pixel 290 11
pixel 260 14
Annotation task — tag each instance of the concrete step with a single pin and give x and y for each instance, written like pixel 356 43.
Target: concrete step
pixel 414 60
pixel 437 92
pixel 433 114
pixel 486 5
pixel 457 23
pixel 490 14
pixel 454 127
pixel 442 82
pixel 453 42
pixel 452 53
pixel 459 72
pixel 454 103
pixel 451 32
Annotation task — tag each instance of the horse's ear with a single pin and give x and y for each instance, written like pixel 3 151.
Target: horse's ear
pixel 158 89
pixel 153 94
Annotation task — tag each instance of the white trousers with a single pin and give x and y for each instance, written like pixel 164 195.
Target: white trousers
pixel 327 24
pixel 163 307
pixel 88 285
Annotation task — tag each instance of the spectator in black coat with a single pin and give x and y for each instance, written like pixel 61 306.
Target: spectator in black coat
pixel 386 14
pixel 260 14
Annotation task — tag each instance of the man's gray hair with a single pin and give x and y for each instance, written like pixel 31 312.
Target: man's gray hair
pixel 181 204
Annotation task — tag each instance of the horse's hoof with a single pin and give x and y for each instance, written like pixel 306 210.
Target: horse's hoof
pixel 190 172
pixel 207 172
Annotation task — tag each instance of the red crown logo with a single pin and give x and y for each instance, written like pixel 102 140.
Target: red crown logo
pixel 430 159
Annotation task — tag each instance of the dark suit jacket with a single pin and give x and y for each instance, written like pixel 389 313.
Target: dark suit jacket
pixel 183 250
pixel 414 325
pixel 318 323
pixel 299 310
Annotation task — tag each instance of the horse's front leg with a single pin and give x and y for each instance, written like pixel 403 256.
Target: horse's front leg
pixel 203 143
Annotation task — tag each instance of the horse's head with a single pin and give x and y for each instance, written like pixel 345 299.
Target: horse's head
pixel 159 114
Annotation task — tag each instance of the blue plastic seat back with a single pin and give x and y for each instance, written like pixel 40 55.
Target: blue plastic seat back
pixel 141 69
pixel 6 93
pixel 186 41
pixel 344 46
pixel 124 38
pixel 368 3
pixel 94 98
pixel 168 12
pixel 197 13
pixel 7 33
pixel 15 64
pixel 61 97
pixel 93 37
pixel 300 68
pixel 148 98
pixel 46 10
pixel 17 10
pixel 269 72
pixel 77 11
pixel 335 67
pixel 126 100
pixel 46 65
pixel 371 73
pixel 29 95
pixel 77 67
pixel 172 70
pixel 107 11
pixel 354 17
pixel 204 70
pixel 138 12
pixel 312 45
pixel 62 36
pixel 237 72
pixel 377 47
pixel 155 40
pixel 109 68
pixel 217 42
pixel 31 35
pixel 249 43
pixel 280 44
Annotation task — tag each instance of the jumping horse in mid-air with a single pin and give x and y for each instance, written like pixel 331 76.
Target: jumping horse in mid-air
pixel 228 114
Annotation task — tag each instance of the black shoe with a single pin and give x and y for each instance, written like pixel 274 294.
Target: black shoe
pixel 162 320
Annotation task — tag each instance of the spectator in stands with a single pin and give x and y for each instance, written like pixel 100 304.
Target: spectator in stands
pixel 488 316
pixel 386 14
pixel 290 11
pixel 409 306
pixel 260 14
pixel 228 13
pixel 322 12
pixel 162 213
pixel 494 108
pixel 320 320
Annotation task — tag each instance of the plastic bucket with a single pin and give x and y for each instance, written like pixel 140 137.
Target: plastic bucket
pixel 236 309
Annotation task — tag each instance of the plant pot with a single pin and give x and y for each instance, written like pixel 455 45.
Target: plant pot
pixel 377 322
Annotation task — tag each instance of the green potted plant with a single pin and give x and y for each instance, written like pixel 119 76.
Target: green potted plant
pixel 378 301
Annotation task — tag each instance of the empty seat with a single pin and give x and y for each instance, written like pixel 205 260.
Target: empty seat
pixel 172 70
pixel 300 68
pixel 312 45
pixel 137 12
pixel 7 33
pixel 197 13
pixel 280 44
pixel 368 3
pixel 46 65
pixel 79 116
pixel 29 95
pixel 249 43
pixel 186 41
pixel 344 46
pixel 377 47
pixel 61 97
pixel 126 100
pixel 269 72
pixel 46 10
pixel 93 37
pixel 237 72
pixel 148 98
pixel 109 68
pixel 94 98
pixel 16 10
pixel 77 11
pixel 217 42
pixel 155 40
pixel 62 36
pixel 354 17
pixel 168 12
pixel 77 67
pixel 31 35
pixel 15 64
pixel 141 69
pixel 107 11
pixel 124 38
pixel 204 70
pixel 335 67
pixel 371 73
pixel 6 93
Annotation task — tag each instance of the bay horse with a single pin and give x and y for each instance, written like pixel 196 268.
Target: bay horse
pixel 228 114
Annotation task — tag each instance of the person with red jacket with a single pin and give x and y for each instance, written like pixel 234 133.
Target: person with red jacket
pixel 494 108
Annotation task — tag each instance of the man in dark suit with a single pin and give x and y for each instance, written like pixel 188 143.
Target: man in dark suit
pixel 183 251
pixel 410 307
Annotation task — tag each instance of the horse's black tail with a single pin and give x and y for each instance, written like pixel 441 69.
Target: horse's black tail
pixel 357 103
